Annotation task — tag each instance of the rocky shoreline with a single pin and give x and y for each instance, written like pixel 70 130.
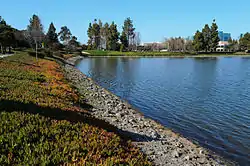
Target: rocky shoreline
pixel 162 146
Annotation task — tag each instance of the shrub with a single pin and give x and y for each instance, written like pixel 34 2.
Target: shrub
pixel 121 48
pixel 58 53
pixel 48 52
pixel 39 54
pixel 28 139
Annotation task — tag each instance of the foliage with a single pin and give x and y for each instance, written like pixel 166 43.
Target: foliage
pixel 51 36
pixel 90 36
pixel 128 32
pixel 20 40
pixel 18 84
pixel 245 42
pixel 7 36
pixel 105 32
pixel 65 35
pixel 208 39
pixel 107 36
pixel 206 32
pixel 73 44
pixel 70 42
pixel 35 31
pixel 233 45
pixel 38 54
pixel 198 42
pixel 124 40
pixel 214 36
pixel 113 37
pixel 130 53
pixel 94 35
pixel 28 139
pixel 176 44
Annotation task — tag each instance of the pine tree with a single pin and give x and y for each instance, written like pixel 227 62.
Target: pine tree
pixel 206 32
pixel 124 41
pixel 51 36
pixel 90 36
pixel 113 37
pixel 198 41
pixel 127 33
pixel 214 36
pixel 106 35
pixel 96 35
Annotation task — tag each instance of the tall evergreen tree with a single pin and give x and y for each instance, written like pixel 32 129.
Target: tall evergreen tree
pixel 124 40
pixel 214 36
pixel 206 32
pixel 96 34
pixel 106 35
pixel 127 33
pixel 51 36
pixel 113 37
pixel 90 36
pixel 198 41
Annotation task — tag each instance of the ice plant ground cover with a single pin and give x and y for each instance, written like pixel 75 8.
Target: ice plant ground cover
pixel 36 105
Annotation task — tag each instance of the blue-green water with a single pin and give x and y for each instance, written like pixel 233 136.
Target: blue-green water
pixel 206 100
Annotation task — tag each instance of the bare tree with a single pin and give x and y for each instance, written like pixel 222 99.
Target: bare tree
pixel 189 45
pixel 137 39
pixel 175 44
pixel 35 31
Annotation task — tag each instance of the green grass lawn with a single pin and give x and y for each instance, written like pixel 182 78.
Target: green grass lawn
pixel 41 122
pixel 117 53
pixel 159 54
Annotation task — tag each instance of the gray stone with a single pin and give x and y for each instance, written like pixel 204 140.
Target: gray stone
pixel 187 158
pixel 176 154
pixel 163 150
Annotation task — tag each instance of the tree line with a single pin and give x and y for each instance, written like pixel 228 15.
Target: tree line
pixel 207 40
pixel 107 37
pixel 35 37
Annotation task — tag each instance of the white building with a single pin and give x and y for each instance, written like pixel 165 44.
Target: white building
pixel 222 46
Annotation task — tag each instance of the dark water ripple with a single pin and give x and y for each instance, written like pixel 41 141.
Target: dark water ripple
pixel 205 100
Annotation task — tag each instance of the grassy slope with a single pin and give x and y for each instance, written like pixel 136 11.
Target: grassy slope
pixel 168 54
pixel 34 96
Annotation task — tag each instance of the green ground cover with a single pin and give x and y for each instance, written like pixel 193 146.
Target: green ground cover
pixel 36 128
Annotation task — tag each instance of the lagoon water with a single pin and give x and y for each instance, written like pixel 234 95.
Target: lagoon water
pixel 205 100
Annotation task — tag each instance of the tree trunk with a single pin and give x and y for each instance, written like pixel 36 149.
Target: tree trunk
pixel 1 48
pixel 36 50
pixel 4 50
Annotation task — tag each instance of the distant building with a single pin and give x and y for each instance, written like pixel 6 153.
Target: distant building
pixel 222 46
pixel 154 46
pixel 224 36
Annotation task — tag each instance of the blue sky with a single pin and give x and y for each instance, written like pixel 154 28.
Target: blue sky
pixel 154 19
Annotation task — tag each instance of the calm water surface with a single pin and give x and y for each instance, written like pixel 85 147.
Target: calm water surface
pixel 206 100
